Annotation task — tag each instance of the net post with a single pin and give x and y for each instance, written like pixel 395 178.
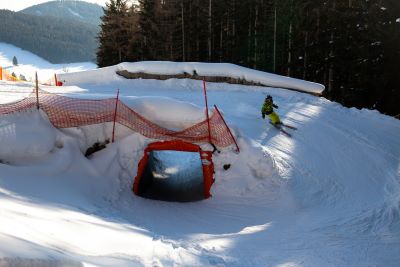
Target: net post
pixel 115 116
pixel 208 119
pixel 226 125
pixel 55 79
pixel 37 90
pixel 1 73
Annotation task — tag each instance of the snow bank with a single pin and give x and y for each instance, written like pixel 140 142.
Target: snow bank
pixel 202 69
pixel 104 75
pixel 12 92
pixel 25 137
pixel 167 112
pixel 224 70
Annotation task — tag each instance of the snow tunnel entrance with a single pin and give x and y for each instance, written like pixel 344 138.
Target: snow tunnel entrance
pixel 174 171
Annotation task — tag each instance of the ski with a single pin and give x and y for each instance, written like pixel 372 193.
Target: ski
pixel 284 132
pixel 279 127
pixel 289 126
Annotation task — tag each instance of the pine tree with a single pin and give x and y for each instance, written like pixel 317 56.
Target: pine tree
pixel 134 39
pixel 349 46
pixel 15 61
pixel 114 35
pixel 148 29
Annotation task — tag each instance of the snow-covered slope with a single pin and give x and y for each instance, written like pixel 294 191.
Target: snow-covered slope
pixel 72 10
pixel 329 196
pixel 108 74
pixel 29 63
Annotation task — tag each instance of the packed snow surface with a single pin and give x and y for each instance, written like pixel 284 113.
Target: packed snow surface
pixel 328 196
pixel 107 74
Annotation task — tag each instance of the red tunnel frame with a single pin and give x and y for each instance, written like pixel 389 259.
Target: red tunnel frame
pixel 205 156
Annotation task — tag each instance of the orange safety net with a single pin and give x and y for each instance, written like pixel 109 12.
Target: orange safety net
pixel 67 112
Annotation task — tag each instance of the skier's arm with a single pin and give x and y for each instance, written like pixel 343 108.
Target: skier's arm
pixel 275 106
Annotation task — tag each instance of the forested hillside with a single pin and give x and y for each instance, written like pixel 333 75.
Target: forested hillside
pixel 352 46
pixel 54 39
pixel 75 10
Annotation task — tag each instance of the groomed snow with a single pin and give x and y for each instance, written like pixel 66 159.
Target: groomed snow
pixel 329 196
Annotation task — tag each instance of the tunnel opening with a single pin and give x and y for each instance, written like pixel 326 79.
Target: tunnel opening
pixel 174 171
pixel 172 176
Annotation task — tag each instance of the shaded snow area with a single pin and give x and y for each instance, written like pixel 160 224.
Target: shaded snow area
pixel 173 176
pixel 328 196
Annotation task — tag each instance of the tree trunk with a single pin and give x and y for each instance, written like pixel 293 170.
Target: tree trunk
pixel 331 72
pixel 221 49
pixel 289 62
pixel 289 70
pixel 255 35
pixel 275 26
pixel 209 29
pixel 197 33
pixel 183 33
pixel 305 56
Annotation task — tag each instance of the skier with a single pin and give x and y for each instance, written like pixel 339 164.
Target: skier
pixel 268 109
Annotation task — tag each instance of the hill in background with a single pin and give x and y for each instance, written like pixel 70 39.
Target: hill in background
pixel 72 10
pixel 57 40
pixel 58 31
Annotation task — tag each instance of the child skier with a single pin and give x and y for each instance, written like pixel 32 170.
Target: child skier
pixel 268 109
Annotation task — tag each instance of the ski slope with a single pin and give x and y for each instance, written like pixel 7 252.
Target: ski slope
pixel 29 63
pixel 329 196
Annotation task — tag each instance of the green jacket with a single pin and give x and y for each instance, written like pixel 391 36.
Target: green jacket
pixel 268 108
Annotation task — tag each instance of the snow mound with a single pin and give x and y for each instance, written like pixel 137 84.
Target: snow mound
pixel 105 75
pixel 25 136
pixel 167 112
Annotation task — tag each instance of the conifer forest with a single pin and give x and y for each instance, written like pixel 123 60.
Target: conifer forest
pixel 350 46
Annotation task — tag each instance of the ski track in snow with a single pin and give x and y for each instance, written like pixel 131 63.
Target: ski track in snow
pixel 326 197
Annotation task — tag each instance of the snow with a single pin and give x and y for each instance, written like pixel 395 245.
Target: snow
pixel 75 13
pixel 167 112
pixel 329 196
pixel 29 63
pixel 25 136
pixel 202 69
